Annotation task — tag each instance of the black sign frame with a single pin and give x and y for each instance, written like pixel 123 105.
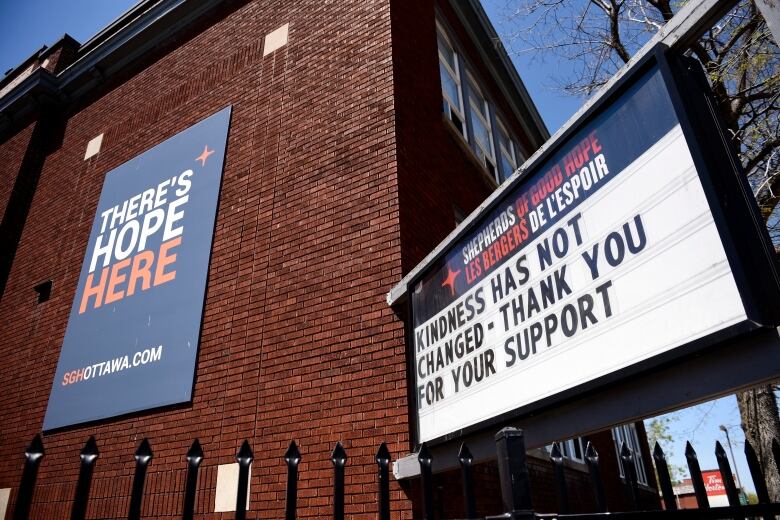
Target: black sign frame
pixel 735 212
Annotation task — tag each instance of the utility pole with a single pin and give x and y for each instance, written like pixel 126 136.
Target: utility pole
pixel 733 460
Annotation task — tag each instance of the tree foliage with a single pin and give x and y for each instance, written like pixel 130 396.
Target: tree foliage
pixel 659 429
pixel 742 61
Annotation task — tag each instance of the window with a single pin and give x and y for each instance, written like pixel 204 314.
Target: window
pixel 451 89
pixel 464 101
pixel 627 433
pixel 43 290
pixel 572 449
pixel 480 126
pixel 507 160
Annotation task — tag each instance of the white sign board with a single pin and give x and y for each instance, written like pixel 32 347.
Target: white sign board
pixel 607 256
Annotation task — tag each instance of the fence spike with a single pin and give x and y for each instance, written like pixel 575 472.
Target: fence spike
pixel 33 456
pixel 144 452
pixel 88 456
pixel 592 459
pixel 756 473
pixel 89 453
pixel 244 458
pixel 425 458
pixel 194 458
pixel 383 462
pixel 696 479
pixel 195 453
pixel 143 456
pixel 382 455
pixel 627 456
pixel 339 459
pixel 513 470
pixel 664 479
pixel 725 473
pixel 35 450
pixel 561 494
pixel 292 457
pixel 466 459
pixel 339 455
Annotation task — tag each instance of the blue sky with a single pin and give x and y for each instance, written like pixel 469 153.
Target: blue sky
pixel 27 25
pixel 538 73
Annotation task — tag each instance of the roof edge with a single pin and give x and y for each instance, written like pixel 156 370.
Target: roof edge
pixel 123 42
pixel 494 56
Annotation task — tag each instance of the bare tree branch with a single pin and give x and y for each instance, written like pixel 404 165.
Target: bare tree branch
pixel 742 64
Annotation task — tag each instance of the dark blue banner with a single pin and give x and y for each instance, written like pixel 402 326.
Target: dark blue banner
pixel 132 337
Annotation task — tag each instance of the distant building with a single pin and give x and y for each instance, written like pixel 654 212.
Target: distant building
pixel 716 491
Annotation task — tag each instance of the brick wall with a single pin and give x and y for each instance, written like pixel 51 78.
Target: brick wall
pixel 12 152
pixel 297 340
pixel 340 175
pixel 41 137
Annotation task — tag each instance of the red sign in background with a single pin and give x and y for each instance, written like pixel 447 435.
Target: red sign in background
pixel 713 483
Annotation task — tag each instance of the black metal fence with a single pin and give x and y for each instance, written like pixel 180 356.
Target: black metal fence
pixel 513 475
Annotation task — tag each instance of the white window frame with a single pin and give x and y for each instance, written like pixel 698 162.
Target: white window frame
pixel 510 154
pixel 475 96
pixel 568 450
pixel 452 105
pixel 627 433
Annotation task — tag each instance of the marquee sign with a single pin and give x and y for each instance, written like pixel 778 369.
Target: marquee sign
pixel 609 252
pixel 132 338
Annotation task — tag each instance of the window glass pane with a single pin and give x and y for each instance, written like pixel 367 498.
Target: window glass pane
pixel 578 448
pixel 447 52
pixel 506 167
pixel 506 156
pixel 481 133
pixel 478 102
pixel 459 125
pixel 617 434
pixel 503 139
pixel 572 449
pixel 627 433
pixel 449 86
pixel 641 475
pixel 480 124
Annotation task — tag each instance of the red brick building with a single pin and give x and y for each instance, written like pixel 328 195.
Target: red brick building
pixel 343 169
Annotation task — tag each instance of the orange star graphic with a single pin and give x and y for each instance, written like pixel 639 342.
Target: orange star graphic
pixel 205 155
pixel 450 280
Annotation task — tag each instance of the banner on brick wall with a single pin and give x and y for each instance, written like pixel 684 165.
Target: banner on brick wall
pixel 132 338
pixel 610 251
